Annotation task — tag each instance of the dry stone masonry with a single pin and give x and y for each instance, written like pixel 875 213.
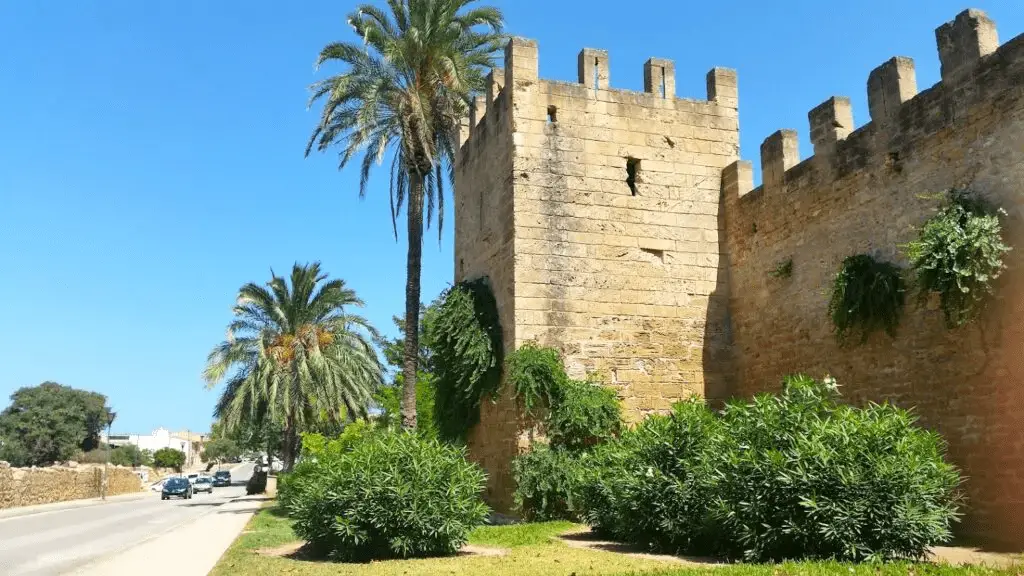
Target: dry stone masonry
pixel 622 229
pixel 31 486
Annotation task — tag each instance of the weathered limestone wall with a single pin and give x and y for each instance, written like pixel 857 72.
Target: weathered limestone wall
pixel 30 486
pixel 623 280
pixel 483 247
pixel 860 193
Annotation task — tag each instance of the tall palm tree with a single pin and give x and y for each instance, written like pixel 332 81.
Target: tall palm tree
pixel 295 356
pixel 406 88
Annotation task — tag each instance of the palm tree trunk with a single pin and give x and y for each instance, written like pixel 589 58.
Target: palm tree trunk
pixel 289 445
pixel 414 208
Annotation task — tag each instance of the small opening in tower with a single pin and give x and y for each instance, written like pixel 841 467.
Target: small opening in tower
pixel 597 74
pixel 552 114
pixel 632 173
pixel 662 87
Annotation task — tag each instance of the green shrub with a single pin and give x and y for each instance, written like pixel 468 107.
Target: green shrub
pixel 392 495
pixel 867 295
pixel 655 485
pixel 319 451
pixel 807 477
pixel 959 254
pixel 547 480
pixel 536 376
pixel 787 476
pixel 583 414
pixel 467 356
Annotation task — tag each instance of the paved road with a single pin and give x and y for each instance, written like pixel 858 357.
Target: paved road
pixel 54 543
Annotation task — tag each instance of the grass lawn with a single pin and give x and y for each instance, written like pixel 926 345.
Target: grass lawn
pixel 525 550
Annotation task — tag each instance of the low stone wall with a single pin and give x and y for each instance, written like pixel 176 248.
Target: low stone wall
pixel 30 486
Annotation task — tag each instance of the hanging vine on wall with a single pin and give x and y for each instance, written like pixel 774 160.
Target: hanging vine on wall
pixel 959 255
pixel 467 358
pixel 867 295
pixel 536 376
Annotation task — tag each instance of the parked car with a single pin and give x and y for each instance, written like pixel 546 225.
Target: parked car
pixel 222 478
pixel 203 484
pixel 176 487
pixel 157 486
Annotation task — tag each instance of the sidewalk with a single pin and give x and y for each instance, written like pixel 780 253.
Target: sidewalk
pixel 70 504
pixel 189 550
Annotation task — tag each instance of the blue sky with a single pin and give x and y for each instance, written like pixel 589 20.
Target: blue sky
pixel 151 159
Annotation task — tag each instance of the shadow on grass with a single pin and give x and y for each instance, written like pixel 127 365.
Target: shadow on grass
pixel 592 541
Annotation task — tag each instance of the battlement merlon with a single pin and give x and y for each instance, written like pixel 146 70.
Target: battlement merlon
pixel 963 44
pixel 521 73
pixel 963 41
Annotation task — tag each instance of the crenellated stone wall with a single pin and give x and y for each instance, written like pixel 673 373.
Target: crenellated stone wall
pixel 864 191
pixel 620 228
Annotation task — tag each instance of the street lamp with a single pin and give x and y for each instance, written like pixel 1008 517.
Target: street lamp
pixel 103 486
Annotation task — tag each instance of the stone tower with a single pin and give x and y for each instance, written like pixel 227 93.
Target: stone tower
pixel 594 212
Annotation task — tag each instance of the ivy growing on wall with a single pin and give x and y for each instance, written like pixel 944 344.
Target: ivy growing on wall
pixel 959 254
pixel 867 295
pixel 467 357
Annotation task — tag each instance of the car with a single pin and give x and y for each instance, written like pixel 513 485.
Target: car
pixel 176 487
pixel 192 477
pixel 203 484
pixel 222 478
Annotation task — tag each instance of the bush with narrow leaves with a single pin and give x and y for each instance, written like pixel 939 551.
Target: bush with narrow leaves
pixel 547 480
pixel 789 476
pixel 655 485
pixel 807 477
pixel 583 415
pixel 392 495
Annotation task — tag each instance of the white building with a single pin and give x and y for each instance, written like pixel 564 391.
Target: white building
pixel 159 438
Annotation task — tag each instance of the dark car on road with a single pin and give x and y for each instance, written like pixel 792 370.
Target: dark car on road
pixel 222 478
pixel 176 487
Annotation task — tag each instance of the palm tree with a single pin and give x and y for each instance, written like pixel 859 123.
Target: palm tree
pixel 406 89
pixel 294 356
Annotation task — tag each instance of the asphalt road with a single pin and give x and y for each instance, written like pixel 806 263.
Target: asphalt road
pixel 61 541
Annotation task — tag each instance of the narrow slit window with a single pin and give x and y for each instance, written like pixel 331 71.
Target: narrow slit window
pixel 632 173
pixel 552 114
pixel 662 87
pixel 597 75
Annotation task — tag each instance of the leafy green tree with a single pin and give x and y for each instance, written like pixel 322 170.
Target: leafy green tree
pixel 389 398
pixel 130 455
pixel 221 450
pixel 295 357
pixel 50 423
pixel 169 458
pixel 406 88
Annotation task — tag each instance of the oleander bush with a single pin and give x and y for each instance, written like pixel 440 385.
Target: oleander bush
pixel 807 477
pixel 583 414
pixel 390 495
pixel 790 476
pixel 655 486
pixel 547 481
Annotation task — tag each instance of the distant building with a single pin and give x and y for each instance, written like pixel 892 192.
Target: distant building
pixel 162 438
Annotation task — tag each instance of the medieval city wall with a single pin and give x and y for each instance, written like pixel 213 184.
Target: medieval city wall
pixel 864 191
